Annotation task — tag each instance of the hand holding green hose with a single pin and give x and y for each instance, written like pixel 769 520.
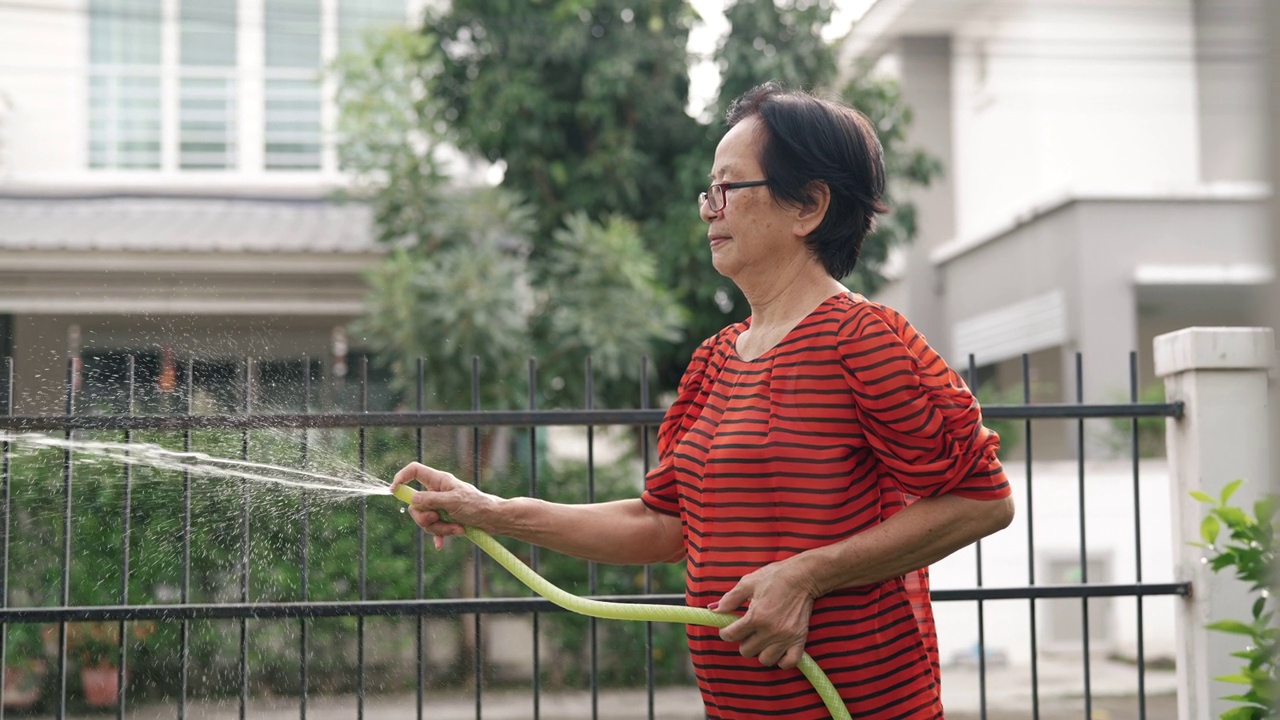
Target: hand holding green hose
pixel 627 611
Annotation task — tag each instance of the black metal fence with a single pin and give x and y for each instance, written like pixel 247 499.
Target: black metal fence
pixel 241 610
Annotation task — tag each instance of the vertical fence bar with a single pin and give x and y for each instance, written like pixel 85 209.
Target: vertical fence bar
pixel 982 614
pixel 66 540
pixel 533 556
pixel 304 559
pixel 244 543
pixel 7 491
pixel 363 509
pixel 126 517
pixel 1084 545
pixel 184 652
pixel 649 681
pixel 477 662
pixel 1031 542
pixel 592 573
pixel 1137 541
pixel 420 649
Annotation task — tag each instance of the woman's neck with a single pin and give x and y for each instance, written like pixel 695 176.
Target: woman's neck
pixel 789 294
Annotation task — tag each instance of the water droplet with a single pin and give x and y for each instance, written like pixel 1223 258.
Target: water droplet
pixel 1204 561
pixel 403 509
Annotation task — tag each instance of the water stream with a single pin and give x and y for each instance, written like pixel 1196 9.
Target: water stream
pixel 354 483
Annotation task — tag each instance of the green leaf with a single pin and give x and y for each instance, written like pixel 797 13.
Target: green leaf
pixel 1242 713
pixel 1265 508
pixel 1234 517
pixel 1203 497
pixel 1236 679
pixel 1230 490
pixel 1231 626
pixel 1209 528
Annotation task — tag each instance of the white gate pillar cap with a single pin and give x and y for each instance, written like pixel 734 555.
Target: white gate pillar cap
pixel 1214 348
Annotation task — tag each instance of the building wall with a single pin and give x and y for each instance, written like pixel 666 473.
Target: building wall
pixel 47 77
pixel 1052 97
pixel 1067 282
pixel 1116 238
pixel 43 47
pixel 1008 560
pixel 924 74
pixel 1231 80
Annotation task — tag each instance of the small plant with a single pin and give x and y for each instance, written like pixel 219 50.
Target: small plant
pixel 1250 550
pixel 97 644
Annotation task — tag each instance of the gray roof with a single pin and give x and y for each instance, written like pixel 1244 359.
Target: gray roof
pixel 186 224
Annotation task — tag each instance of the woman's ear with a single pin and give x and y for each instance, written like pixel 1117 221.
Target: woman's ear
pixel 812 213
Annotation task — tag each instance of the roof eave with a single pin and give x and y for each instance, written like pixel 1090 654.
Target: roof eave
pixel 887 20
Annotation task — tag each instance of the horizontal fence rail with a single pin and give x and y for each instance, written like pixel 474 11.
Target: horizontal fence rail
pixel 501 418
pixel 502 606
pixel 304 610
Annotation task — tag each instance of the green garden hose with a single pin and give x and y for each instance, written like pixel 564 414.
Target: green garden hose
pixel 627 611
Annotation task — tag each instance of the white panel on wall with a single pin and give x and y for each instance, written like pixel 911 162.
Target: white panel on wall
pixel 1023 327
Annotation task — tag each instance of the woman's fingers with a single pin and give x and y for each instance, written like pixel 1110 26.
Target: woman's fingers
pixel 428 477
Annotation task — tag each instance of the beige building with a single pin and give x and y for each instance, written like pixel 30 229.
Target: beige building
pixel 1105 180
pixel 166 175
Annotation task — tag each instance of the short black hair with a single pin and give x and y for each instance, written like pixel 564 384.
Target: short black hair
pixel 810 139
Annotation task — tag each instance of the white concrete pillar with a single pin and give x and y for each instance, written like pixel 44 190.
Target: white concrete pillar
pixel 251 84
pixel 328 87
pixel 1221 375
pixel 170 86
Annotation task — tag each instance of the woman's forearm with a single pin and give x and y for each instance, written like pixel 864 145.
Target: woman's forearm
pixel 922 533
pixel 622 532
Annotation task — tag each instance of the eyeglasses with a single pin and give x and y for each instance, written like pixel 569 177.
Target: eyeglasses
pixel 715 195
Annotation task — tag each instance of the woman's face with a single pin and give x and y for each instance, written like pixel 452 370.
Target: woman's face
pixel 752 233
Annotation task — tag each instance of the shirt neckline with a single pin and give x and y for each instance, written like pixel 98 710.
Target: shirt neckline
pixel 742 327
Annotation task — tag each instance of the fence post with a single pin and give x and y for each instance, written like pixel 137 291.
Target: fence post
pixel 1220 374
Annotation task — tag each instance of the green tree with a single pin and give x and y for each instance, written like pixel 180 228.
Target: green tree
pixel 582 100
pixel 465 277
pixel 779 41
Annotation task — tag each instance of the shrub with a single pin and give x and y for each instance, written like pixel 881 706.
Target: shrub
pixel 1250 552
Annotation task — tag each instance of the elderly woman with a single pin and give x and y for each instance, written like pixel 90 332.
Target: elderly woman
pixel 818 457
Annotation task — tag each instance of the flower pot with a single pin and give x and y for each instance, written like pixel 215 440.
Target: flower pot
pixel 101 685
pixel 23 684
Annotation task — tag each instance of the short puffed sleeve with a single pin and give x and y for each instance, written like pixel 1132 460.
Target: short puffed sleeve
pixel 660 489
pixel 918 416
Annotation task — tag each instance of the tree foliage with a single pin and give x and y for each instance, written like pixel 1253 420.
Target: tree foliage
pixel 581 100
pixel 583 103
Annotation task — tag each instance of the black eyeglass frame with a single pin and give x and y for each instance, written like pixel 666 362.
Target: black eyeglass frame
pixel 725 187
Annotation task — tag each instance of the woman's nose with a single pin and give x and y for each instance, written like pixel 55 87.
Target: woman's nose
pixel 704 210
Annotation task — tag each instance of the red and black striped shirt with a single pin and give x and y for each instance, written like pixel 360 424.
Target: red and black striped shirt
pixel 850 417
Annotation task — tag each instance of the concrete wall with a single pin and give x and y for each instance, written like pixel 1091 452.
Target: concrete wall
pixel 1117 237
pixel 1010 558
pixel 924 74
pixel 1232 89
pixel 1053 96
pixel 43 61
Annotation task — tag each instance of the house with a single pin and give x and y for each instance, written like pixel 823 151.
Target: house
pixel 167 175
pixel 1104 182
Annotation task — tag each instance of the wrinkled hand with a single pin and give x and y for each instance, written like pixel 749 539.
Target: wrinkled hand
pixel 444 493
pixel 776 624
